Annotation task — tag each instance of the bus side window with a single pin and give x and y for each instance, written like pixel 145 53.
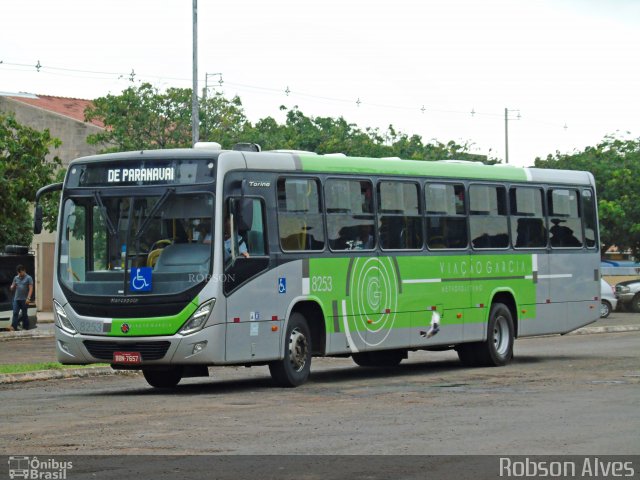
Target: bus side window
pixel 488 216
pixel 528 228
pixel 446 216
pixel 400 223
pixel 564 215
pixel 350 220
pixel 255 235
pixel 299 215
pixel 590 219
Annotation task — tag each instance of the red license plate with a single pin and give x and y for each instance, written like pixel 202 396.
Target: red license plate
pixel 127 357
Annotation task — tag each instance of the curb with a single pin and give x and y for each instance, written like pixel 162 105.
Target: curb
pixel 86 372
pixel 608 329
pixel 7 337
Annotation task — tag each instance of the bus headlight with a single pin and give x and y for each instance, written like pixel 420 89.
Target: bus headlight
pixel 198 319
pixel 61 319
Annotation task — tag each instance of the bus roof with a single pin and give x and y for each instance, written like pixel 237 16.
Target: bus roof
pixel 339 164
pixel 443 169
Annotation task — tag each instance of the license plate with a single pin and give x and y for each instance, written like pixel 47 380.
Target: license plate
pixel 127 357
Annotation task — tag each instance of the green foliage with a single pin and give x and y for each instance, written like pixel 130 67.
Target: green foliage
pixel 333 135
pixel 615 164
pixel 143 118
pixel 23 170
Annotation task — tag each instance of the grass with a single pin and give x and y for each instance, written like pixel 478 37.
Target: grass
pixel 33 367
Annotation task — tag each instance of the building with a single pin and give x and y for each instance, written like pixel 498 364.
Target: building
pixel 64 117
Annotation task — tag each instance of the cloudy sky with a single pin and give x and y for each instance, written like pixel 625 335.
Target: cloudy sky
pixel 422 66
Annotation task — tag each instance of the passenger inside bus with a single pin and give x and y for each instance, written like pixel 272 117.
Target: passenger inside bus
pixel 240 245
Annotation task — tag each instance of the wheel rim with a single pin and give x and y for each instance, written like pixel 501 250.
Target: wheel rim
pixel 298 350
pixel 501 336
pixel 604 309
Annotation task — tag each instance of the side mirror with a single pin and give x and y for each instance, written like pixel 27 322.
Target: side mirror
pixel 37 220
pixel 243 211
pixel 37 215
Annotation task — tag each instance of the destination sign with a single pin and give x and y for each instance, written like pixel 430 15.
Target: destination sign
pixel 125 175
pixel 150 172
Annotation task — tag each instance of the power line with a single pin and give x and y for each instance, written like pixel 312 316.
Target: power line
pixel 288 91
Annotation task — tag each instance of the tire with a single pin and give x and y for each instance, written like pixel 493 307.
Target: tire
pixel 605 309
pixel 467 353
pixel 362 359
pixel 497 350
pixel 382 358
pixel 163 378
pixel 635 303
pixel 294 368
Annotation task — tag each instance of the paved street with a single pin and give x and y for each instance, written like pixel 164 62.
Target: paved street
pixel 575 394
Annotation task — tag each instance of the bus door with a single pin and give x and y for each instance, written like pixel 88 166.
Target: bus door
pixel 251 305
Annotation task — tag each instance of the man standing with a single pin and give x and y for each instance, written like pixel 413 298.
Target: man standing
pixel 23 286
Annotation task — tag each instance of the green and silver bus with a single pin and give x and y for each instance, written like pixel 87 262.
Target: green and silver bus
pixel 172 261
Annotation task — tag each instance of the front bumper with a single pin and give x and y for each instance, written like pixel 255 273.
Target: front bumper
pixel 75 349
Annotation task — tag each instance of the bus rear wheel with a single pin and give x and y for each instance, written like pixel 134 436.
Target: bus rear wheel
pixel 382 358
pixel 294 368
pixel 497 350
pixel 167 377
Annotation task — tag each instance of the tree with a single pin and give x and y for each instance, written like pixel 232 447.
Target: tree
pixel 143 118
pixel 615 164
pixel 333 135
pixel 23 170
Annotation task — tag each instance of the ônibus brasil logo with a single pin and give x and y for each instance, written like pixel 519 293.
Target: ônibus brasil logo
pixel 34 468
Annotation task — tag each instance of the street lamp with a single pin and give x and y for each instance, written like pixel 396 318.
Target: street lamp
pixel 195 118
pixel 506 131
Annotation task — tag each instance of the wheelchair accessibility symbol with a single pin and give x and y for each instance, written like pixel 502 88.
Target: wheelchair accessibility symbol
pixel 140 279
pixel 282 285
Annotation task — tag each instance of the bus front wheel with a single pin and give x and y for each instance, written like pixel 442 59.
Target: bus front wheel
pixel 163 377
pixel 294 368
pixel 497 350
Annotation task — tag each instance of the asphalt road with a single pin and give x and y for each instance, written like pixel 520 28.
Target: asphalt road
pixel 561 395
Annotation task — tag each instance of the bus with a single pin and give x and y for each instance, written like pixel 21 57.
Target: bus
pixel 173 261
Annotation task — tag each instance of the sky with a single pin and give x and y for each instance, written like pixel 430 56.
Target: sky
pixel 567 70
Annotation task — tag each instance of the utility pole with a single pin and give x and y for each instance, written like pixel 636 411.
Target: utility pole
pixel 195 118
pixel 506 132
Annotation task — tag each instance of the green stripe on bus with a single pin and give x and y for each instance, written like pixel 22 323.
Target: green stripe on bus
pixel 141 327
pixel 416 168
pixel 381 293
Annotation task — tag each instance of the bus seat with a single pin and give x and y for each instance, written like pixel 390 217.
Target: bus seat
pixel 184 258
pixel 153 256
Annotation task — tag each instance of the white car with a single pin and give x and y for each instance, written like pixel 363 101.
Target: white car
pixel 608 300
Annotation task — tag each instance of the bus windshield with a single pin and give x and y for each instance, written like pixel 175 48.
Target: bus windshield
pixel 135 245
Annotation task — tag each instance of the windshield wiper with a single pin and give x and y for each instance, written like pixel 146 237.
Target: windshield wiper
pixel 104 214
pixel 156 207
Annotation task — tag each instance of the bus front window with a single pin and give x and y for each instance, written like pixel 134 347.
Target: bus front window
pixel 110 244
